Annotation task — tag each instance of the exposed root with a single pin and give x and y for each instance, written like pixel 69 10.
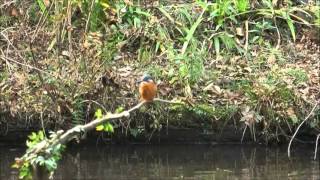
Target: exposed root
pixel 295 133
pixel 316 148
pixel 244 131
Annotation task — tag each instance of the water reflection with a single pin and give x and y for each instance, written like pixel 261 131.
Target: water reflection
pixel 176 162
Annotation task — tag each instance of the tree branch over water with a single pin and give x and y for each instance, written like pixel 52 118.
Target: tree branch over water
pixel 60 137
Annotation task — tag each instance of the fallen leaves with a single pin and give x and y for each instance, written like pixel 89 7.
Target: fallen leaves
pixel 211 88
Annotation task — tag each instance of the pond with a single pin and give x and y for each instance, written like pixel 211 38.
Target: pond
pixel 176 162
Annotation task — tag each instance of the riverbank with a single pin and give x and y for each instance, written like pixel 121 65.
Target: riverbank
pixel 255 67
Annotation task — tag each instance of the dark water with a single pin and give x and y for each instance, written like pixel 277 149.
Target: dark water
pixel 176 162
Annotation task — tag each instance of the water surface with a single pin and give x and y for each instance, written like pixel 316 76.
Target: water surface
pixel 176 162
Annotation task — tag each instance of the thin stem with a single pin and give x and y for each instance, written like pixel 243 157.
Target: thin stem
pixel 295 133
pixel 316 148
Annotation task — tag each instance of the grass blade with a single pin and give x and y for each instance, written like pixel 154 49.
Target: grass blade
pixel 192 30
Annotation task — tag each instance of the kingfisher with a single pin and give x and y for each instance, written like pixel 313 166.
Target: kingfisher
pixel 147 88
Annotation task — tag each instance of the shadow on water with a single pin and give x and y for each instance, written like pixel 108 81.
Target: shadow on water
pixel 176 162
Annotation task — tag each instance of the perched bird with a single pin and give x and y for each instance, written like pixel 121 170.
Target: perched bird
pixel 147 88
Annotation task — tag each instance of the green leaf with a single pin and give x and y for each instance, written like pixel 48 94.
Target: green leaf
pixel 164 12
pixel 29 144
pixel 294 119
pixel 25 172
pixel 157 47
pixel 99 128
pixel 15 165
pixel 191 31
pixel 242 5
pixel 137 22
pixel 119 109
pixel 40 160
pixel 98 114
pixel 50 164
pixel 41 135
pixel 41 5
pixel 140 12
pixel 104 4
pixel 291 26
pixel 108 127
pixel 216 45
pixel 134 132
pixel 33 136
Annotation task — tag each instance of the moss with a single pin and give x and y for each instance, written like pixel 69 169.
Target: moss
pixel 206 111
pixel 225 112
pixel 203 110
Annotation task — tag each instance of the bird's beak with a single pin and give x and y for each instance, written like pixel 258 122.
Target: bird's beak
pixel 139 81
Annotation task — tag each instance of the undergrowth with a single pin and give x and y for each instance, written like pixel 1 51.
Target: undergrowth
pixel 62 60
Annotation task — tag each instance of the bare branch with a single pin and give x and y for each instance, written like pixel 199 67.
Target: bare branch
pixel 27 65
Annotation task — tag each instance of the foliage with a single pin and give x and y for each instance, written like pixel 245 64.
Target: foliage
pixel 107 127
pixel 47 159
pixel 219 56
pixel 34 139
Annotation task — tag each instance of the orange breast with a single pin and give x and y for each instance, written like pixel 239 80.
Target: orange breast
pixel 148 91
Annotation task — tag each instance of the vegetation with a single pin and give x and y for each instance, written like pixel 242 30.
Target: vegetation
pixel 252 61
pixel 62 60
pixel 46 159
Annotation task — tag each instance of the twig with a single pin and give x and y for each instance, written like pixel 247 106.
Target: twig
pixel 295 133
pixel 8 64
pixel 6 4
pixel 316 148
pixel 35 62
pixel 247 36
pixel 10 44
pixel 89 100
pixel 89 16
pixel 27 65
pixel 166 101
pixel 41 21
pixel 69 28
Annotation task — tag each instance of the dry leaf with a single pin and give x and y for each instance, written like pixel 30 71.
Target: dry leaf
pixel 248 69
pixel 46 3
pixel 208 87
pixel 290 111
pixel 239 31
pixel 14 12
pixel 271 59
pixel 188 91
pixel 128 2
pixel 86 45
pixel 217 89
pixel 66 53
